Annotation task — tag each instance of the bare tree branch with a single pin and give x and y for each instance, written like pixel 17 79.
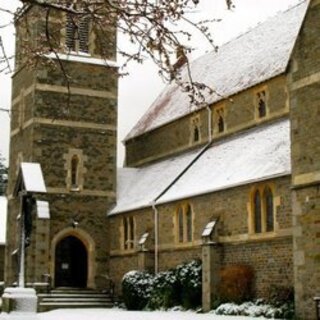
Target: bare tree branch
pixel 4 58
pixel 153 27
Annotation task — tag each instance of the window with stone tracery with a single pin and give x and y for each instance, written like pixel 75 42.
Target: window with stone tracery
pixel 262 204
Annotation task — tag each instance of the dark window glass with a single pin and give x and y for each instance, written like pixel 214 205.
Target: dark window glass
pixel 220 124
pixel 189 223
pixel 131 232
pixel 125 232
pixel 262 108
pixel 74 171
pixel 196 134
pixel 180 224
pixel 268 198
pixel 257 212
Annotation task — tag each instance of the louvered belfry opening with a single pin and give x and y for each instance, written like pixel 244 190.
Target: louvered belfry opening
pixel 77 33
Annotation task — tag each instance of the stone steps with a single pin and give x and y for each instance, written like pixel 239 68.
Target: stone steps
pixel 73 298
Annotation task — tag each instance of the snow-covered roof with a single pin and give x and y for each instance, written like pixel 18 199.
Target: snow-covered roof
pixel 257 154
pixel 254 57
pixel 82 58
pixel 3 220
pixel 30 174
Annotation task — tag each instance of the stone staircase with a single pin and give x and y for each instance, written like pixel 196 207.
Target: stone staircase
pixel 73 298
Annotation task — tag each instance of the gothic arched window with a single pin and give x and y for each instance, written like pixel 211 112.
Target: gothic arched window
pixel 263 213
pixel 77 33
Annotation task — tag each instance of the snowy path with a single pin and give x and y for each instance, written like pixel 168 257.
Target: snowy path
pixel 117 314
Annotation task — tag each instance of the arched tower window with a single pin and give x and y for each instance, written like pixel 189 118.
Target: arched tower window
pixel 257 212
pixel 77 33
pixel 268 200
pixel 74 171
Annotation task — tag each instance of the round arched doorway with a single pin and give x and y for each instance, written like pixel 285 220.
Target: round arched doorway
pixel 71 263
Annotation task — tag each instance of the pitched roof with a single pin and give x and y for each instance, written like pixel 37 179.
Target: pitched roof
pixel 3 219
pixel 257 154
pixel 253 57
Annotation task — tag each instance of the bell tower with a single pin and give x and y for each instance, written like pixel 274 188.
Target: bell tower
pixel 64 116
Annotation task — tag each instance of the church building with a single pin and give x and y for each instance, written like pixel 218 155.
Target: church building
pixel 236 182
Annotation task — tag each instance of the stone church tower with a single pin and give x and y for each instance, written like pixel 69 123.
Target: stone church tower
pixel 64 116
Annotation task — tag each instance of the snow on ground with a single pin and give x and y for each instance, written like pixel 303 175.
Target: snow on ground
pixel 118 314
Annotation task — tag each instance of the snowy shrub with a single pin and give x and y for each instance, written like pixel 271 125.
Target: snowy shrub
pixel 189 276
pixel 179 286
pixel 236 283
pixel 166 291
pixel 136 288
pixel 279 295
pixel 255 309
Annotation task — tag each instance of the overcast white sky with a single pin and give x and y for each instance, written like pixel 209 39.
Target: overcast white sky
pixel 138 90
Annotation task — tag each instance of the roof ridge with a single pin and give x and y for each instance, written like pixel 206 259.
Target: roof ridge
pixel 266 47
pixel 259 23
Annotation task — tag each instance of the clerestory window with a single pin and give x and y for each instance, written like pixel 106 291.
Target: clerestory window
pixel 261 103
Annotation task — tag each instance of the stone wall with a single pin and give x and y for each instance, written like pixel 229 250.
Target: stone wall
pixel 53 120
pixel 304 80
pixel 240 113
pixel 269 253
